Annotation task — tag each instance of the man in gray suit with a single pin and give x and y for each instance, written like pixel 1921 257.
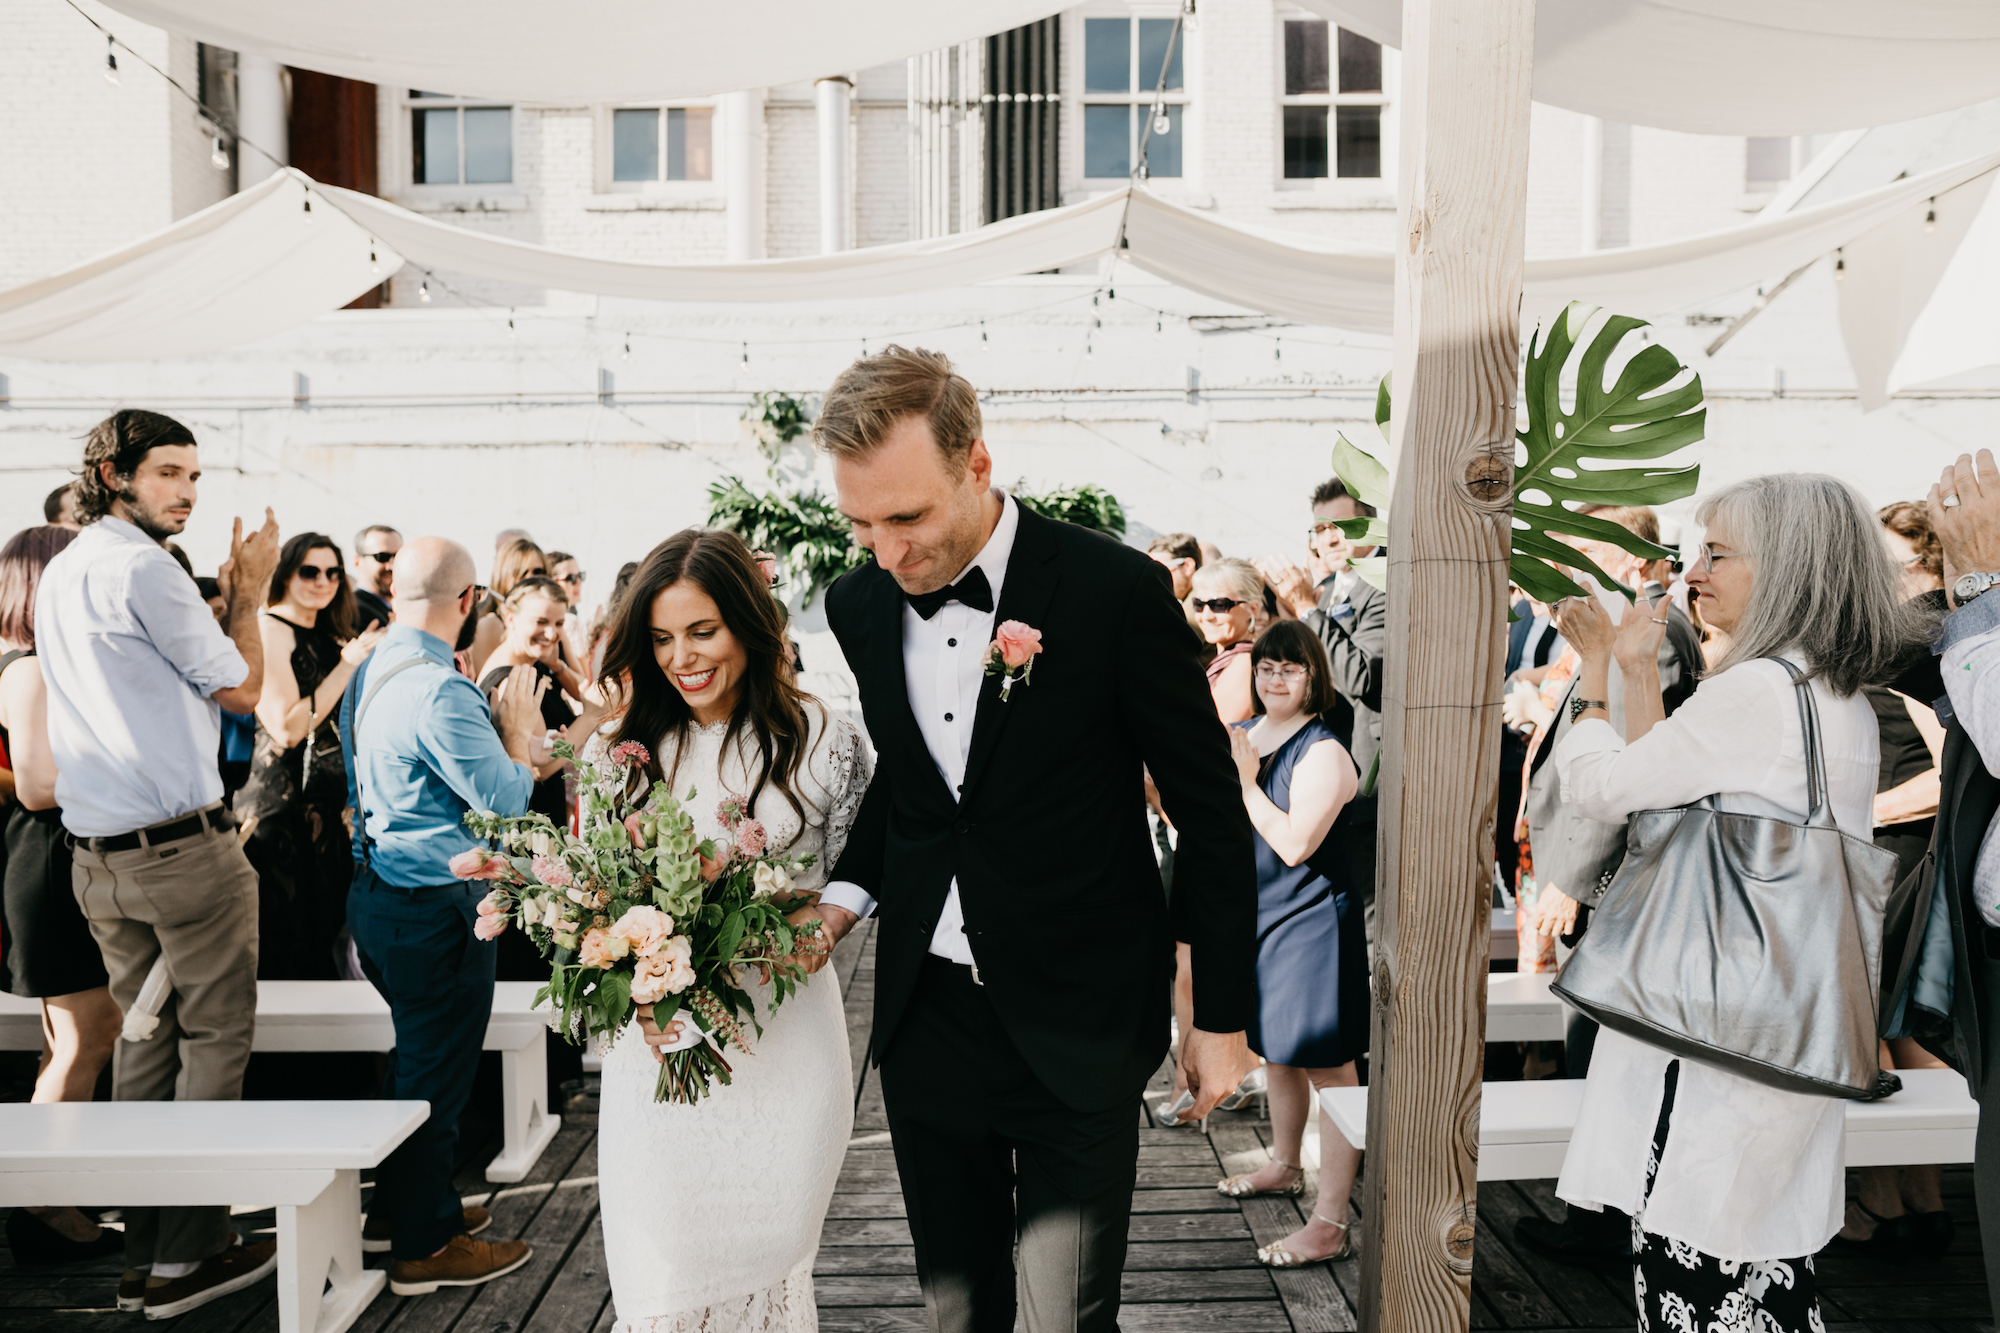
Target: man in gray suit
pixel 1577 857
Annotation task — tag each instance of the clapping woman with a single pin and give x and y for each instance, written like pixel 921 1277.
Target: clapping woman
pixel 1312 960
pixel 1229 608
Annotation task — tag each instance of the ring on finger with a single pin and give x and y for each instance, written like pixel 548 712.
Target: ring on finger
pixel 1951 501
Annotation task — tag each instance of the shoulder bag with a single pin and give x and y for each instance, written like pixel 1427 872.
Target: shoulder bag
pixel 1749 942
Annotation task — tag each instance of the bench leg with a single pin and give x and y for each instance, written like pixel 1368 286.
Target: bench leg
pixel 322 1287
pixel 525 1118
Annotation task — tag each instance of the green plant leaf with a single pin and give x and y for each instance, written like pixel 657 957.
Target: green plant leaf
pixel 1382 408
pixel 1087 506
pixel 803 529
pixel 1373 569
pixel 1365 478
pixel 1638 417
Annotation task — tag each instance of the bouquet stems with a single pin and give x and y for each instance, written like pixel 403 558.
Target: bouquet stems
pixel 685 1074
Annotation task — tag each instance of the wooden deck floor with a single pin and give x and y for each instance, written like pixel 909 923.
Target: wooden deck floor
pixel 1192 1263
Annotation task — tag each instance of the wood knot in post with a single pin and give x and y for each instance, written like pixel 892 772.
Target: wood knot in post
pixel 1382 984
pixel 1458 1244
pixel 1489 477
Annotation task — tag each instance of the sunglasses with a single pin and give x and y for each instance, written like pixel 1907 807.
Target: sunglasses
pixel 313 573
pixel 379 557
pixel 572 578
pixel 1222 606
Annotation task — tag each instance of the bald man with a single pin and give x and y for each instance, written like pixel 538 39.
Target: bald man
pixel 422 749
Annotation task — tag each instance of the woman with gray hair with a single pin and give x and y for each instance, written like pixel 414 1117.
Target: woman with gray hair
pixel 1732 1185
pixel 1231 606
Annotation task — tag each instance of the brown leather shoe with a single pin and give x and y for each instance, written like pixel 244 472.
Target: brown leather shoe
pixel 376 1236
pixel 234 1269
pixel 463 1262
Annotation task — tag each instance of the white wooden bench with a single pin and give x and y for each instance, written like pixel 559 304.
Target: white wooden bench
pixel 1524 1128
pixel 1520 1008
pixel 352 1016
pixel 304 1157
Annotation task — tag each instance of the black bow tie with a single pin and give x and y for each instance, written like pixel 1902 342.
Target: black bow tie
pixel 972 590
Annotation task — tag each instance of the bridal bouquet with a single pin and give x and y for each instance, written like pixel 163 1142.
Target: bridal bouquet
pixel 637 911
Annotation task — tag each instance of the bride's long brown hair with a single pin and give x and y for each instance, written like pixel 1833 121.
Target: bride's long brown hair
pixel 770 707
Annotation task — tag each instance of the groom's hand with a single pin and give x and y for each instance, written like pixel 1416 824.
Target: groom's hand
pixel 1214 1063
pixel 834 922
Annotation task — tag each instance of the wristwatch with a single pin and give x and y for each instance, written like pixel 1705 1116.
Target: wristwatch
pixel 1577 705
pixel 1970 586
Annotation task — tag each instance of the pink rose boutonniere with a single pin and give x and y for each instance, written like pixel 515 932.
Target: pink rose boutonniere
pixel 1011 656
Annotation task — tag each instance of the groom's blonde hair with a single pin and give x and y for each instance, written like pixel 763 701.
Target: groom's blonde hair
pixel 876 392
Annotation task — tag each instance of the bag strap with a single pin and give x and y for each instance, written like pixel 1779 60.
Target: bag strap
pixel 354 732
pixel 8 659
pixel 1818 804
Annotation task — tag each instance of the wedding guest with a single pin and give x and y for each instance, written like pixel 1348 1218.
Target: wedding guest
pixel 507 536
pixel 374 579
pixel 1898 1213
pixel 50 954
pixel 1229 608
pixel 291 803
pixel 421 750
pixel 1181 554
pixel 565 569
pixel 1745 1176
pixel 516 559
pixel 136 670
pixel 1312 959
pixel 59 509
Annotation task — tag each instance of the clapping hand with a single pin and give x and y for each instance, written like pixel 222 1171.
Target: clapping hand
pixel 1243 751
pixel 355 651
pixel 1582 622
pixel 252 560
pixel 1289 582
pixel 1965 513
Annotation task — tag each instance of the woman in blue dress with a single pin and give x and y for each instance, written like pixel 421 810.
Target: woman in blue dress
pixel 1312 961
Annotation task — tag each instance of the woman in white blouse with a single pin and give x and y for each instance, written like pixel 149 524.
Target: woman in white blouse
pixel 1732 1185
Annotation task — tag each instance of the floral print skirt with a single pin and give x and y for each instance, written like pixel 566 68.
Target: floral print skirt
pixel 1682 1290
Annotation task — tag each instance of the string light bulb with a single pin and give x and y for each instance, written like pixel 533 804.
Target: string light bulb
pixel 1161 125
pixel 309 208
pixel 374 265
pixel 1278 350
pixel 510 321
pixel 424 291
pixel 627 354
pixel 746 356
pixel 218 156
pixel 984 341
pixel 111 60
pixel 1930 218
pixel 1840 266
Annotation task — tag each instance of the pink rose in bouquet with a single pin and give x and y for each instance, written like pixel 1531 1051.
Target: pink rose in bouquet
pixel 478 863
pixel 646 928
pixel 488 927
pixel 552 872
pixel 1017 643
pixel 601 948
pixel 667 972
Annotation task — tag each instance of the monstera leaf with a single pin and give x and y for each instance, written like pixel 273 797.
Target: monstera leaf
pixel 1637 418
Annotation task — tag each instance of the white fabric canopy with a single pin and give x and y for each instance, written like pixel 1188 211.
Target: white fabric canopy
pixel 261 262
pixel 1765 67
pixel 584 51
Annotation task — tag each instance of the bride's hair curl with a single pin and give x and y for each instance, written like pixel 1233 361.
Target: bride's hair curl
pixel 770 709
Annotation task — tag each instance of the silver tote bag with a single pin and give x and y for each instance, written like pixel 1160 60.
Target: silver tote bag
pixel 1750 942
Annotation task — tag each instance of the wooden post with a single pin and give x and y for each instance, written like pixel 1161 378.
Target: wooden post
pixel 1462 198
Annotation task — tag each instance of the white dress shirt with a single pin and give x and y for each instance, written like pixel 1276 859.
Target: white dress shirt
pixel 943 664
pixel 131 655
pixel 1751 1172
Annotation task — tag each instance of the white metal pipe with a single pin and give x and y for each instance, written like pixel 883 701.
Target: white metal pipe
pixel 743 168
pixel 836 174
pixel 262 119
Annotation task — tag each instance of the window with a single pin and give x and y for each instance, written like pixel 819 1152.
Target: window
pixel 1123 61
pixel 1333 100
pixel 663 144
pixel 453 142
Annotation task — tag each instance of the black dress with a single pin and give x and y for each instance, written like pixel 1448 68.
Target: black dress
pixel 299 844
pixel 1904 756
pixel 50 950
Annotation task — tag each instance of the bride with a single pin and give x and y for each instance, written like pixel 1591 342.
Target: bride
pixel 712 1212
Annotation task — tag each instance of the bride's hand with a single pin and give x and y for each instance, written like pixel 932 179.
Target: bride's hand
pixel 655 1038
pixel 810 955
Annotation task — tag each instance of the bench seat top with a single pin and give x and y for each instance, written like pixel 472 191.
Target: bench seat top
pixel 202 1136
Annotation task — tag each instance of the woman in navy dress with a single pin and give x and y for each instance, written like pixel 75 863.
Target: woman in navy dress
pixel 1312 961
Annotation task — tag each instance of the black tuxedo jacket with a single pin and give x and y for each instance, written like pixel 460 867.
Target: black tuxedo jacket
pixel 1048 839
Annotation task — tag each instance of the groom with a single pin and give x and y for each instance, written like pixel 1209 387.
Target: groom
pixel 1025 956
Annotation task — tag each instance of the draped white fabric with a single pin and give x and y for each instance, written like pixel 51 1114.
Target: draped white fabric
pixel 1764 67
pixel 585 51
pixel 261 262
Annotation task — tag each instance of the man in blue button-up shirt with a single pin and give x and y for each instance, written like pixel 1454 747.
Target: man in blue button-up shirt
pixel 422 749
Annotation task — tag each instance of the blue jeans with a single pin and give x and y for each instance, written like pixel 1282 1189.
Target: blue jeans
pixel 417 947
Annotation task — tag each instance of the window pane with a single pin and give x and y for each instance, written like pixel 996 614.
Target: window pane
pixel 1107 140
pixel 436 140
pixel 1357 132
pixel 1107 55
pixel 635 145
pixel 1305 56
pixel 696 126
pixel 1360 64
pixel 1163 151
pixel 1767 161
pixel 1154 35
pixel 489 146
pixel 1305 142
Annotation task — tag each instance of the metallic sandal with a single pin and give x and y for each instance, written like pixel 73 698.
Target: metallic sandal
pixel 1239 1187
pixel 1277 1256
pixel 1168 1112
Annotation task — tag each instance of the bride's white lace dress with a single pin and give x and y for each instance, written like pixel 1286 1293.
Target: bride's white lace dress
pixel 712 1212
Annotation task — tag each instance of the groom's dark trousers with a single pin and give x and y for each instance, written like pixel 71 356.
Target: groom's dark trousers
pixel 1012 1092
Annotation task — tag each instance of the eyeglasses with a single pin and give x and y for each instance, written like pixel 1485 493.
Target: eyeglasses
pixel 1222 606
pixel 1270 671
pixel 379 557
pixel 313 573
pixel 536 573
pixel 572 578
pixel 1322 526
pixel 1709 555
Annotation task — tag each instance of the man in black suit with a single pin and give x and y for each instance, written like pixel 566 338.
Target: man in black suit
pixel 1024 953
pixel 1351 617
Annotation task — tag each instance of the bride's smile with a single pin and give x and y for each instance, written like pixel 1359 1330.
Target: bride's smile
pixel 696 651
